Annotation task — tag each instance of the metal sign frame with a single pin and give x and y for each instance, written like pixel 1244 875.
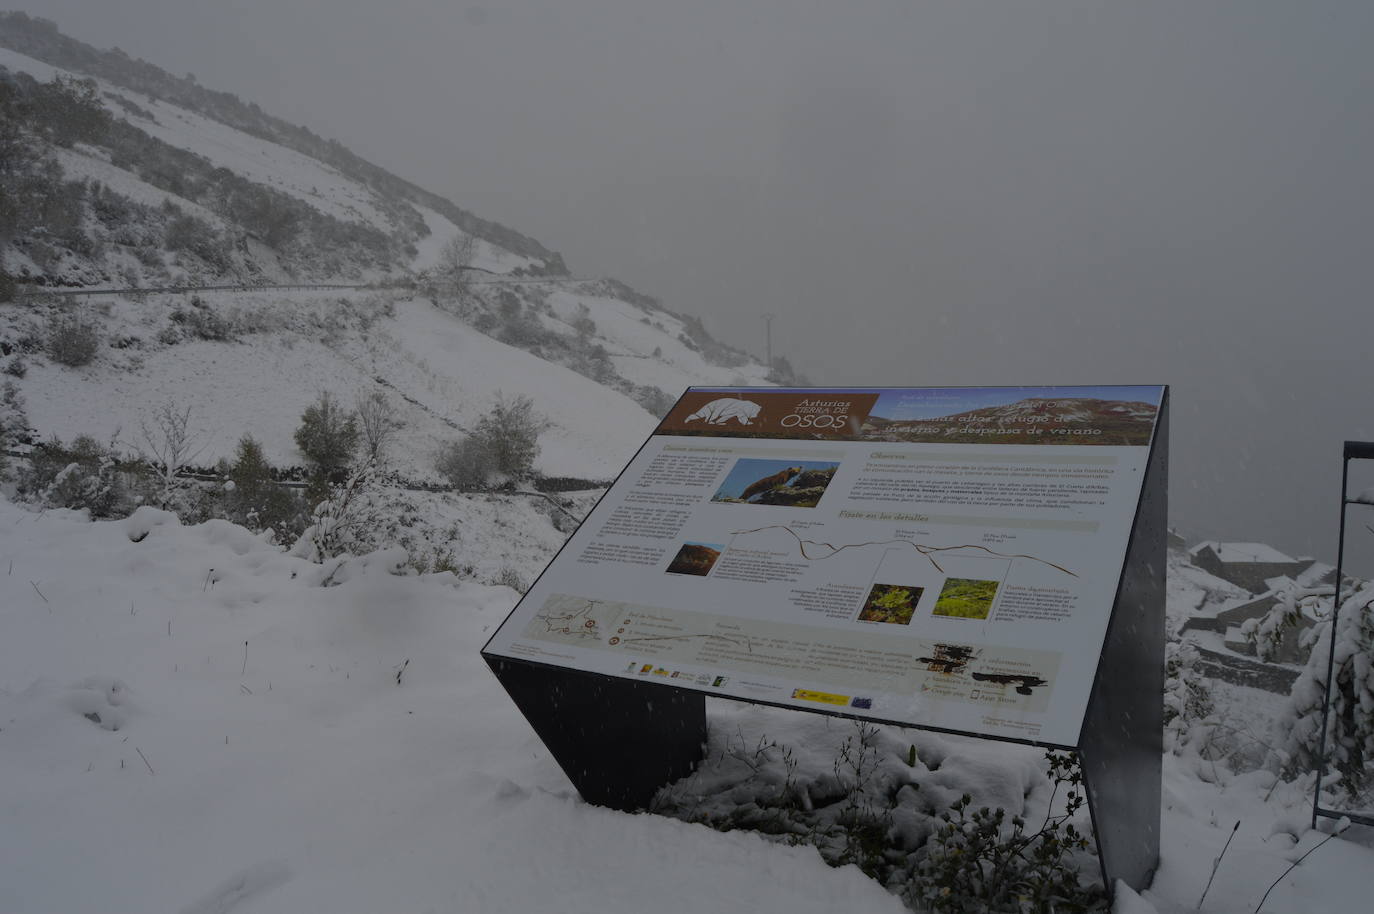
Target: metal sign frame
pixel 1353 450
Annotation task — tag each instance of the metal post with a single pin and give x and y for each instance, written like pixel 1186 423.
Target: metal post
pixel 1354 450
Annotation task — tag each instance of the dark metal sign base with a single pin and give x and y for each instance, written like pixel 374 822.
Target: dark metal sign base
pixel 618 740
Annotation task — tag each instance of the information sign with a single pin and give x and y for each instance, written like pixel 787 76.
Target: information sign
pixel 946 558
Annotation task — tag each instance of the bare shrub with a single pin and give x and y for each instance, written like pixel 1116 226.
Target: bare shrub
pixel 167 444
pixel 202 321
pixel 505 442
pixel 377 424
pixel 454 268
pixel 509 577
pixel 465 463
pixel 72 340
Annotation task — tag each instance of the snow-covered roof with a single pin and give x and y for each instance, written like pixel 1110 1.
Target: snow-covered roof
pixel 1314 573
pixel 1242 552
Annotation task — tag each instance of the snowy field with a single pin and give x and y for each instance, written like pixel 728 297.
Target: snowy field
pixel 153 763
pixel 190 723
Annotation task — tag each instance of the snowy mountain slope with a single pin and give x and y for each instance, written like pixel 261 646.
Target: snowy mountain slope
pixel 439 374
pixel 170 196
pixel 46 52
pixel 153 123
pixel 648 347
pixel 87 164
pixel 257 160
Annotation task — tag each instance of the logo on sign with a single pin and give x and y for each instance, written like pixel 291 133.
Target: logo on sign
pixel 720 411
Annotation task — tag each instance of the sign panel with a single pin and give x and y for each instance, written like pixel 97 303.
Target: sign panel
pixel 939 557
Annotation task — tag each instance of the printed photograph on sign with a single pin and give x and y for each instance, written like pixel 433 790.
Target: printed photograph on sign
pixel 1004 678
pixel 891 603
pixel 789 483
pixel 695 558
pixel 1046 416
pixel 966 598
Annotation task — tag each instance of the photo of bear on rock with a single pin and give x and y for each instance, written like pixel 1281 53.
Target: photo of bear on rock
pixel 789 483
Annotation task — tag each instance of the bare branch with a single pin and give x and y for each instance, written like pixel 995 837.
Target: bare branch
pixel 169 444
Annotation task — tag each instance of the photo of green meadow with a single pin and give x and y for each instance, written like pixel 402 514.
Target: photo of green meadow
pixel 966 598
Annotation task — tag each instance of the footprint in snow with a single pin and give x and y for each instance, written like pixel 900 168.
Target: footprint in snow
pixel 242 886
pixel 101 700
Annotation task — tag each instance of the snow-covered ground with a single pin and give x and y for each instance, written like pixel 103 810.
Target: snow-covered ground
pixel 189 722
pixel 153 762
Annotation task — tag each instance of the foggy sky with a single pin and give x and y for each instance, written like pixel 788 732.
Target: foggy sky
pixel 924 193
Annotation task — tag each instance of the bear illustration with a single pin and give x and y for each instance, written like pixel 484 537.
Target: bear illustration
pixel 717 412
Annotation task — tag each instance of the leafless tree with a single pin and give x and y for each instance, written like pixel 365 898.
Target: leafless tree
pixel 454 268
pixel 378 423
pixel 168 445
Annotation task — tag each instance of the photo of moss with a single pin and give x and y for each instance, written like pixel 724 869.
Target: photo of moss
pixel 891 603
pixel 695 558
pixel 966 598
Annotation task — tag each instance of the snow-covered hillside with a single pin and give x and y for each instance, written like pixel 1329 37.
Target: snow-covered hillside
pixel 284 348
pixel 153 193
pixel 323 188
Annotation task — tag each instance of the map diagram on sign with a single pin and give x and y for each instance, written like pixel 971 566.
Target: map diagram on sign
pixel 816 550
pixel 572 620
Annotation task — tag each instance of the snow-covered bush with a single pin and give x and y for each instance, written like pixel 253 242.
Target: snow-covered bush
pixel 465 463
pixel 1187 697
pixel 901 806
pixel 328 435
pixel 346 522
pixel 84 475
pixel 72 340
pixel 202 321
pixel 14 422
pixel 1292 605
pixel 1350 723
pixel 510 433
pixel 509 577
pixel 504 443
pixel 253 498
pixel 978 862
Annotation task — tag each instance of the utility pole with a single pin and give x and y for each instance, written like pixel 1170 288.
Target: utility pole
pixel 768 339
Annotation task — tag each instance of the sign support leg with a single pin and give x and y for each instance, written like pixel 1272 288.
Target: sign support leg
pixel 618 740
pixel 1122 741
